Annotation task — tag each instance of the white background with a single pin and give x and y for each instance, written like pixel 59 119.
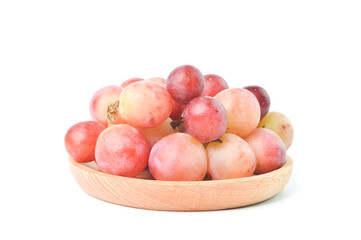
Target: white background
pixel 55 54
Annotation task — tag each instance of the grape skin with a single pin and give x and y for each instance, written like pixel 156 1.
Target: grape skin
pixel 205 118
pixel 185 83
pixel 243 110
pixel 269 149
pixel 144 104
pixel 178 157
pixel 231 158
pixel 153 135
pixel 213 84
pixel 80 140
pixel 122 150
pixel 100 101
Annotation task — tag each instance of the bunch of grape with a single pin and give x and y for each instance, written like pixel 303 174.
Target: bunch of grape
pixel 186 128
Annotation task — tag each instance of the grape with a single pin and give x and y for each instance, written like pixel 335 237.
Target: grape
pixel 122 150
pixel 185 83
pixel 160 81
pixel 213 84
pixel 130 81
pixel 145 105
pixel 243 110
pixel 262 97
pixel 269 149
pixel 153 135
pixel 231 158
pixel 205 118
pixel 178 157
pixel 280 124
pixel 101 100
pixel 80 140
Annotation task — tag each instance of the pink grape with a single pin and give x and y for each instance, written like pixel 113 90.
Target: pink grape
pixel 231 158
pixel 153 135
pixel 269 149
pixel 185 83
pixel 130 81
pixel 262 97
pixel 122 150
pixel 213 84
pixel 80 140
pixel 243 110
pixel 205 118
pixel 101 100
pixel 178 157
pixel 145 105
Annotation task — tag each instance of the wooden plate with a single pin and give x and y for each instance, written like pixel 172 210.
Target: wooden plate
pixel 143 192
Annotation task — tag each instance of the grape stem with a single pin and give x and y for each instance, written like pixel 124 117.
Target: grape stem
pixel 176 123
pixel 217 140
pixel 111 111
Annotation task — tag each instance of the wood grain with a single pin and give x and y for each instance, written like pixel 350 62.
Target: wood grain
pixel 143 192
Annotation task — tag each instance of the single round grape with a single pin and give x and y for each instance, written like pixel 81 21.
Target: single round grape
pixel 231 158
pixel 243 110
pixel 178 157
pixel 122 150
pixel 213 84
pixel 262 97
pixel 269 149
pixel 130 81
pixel 80 140
pixel 205 118
pixel 153 135
pixel 101 100
pixel 144 104
pixel 280 124
pixel 185 83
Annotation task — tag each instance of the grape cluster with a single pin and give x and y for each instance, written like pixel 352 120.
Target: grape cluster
pixel 183 128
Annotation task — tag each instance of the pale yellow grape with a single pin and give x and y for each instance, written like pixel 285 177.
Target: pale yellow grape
pixel 243 110
pixel 280 124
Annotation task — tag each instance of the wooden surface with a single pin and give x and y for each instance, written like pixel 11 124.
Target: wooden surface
pixel 141 192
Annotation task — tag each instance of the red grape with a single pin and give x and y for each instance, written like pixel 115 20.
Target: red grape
pixel 185 83
pixel 145 104
pixel 178 157
pixel 101 100
pixel 262 97
pixel 80 140
pixel 205 118
pixel 213 84
pixel 122 150
pixel 130 81
pixel 269 149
